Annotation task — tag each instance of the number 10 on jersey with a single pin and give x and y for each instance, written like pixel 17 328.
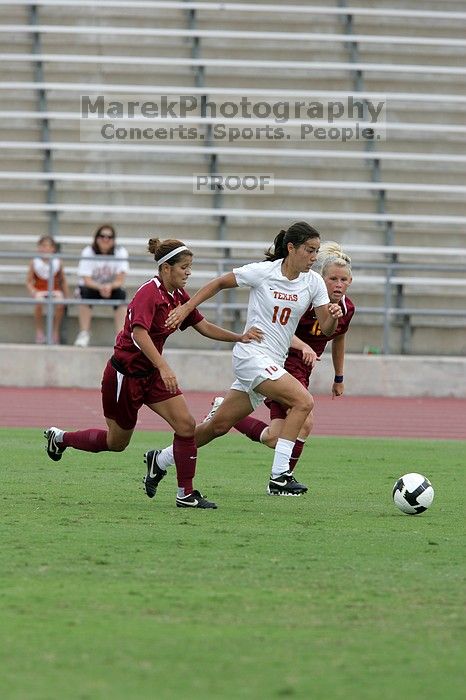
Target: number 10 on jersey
pixel 282 316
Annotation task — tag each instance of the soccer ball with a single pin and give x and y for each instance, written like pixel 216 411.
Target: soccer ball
pixel 413 493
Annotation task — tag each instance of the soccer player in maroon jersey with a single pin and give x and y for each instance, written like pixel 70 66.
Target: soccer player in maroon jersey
pixel 138 374
pixel 308 345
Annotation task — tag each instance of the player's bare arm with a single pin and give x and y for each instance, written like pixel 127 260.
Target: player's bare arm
pixel 177 316
pixel 338 358
pixel 142 338
pixel 210 330
pixel 309 355
pixel 328 316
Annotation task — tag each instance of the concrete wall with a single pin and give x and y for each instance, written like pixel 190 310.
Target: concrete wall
pixel 61 366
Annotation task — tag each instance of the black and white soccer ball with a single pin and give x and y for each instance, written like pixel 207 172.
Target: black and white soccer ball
pixel 413 493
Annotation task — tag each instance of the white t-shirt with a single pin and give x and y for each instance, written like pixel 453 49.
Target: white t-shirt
pixel 276 304
pixel 102 271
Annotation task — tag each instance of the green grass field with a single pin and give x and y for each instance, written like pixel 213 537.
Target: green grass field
pixel 108 595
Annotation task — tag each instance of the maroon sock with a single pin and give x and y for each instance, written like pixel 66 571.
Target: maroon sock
pixel 296 454
pixel 92 440
pixel 185 455
pixel 251 427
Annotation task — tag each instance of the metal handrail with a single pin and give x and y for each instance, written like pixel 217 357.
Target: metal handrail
pixel 391 310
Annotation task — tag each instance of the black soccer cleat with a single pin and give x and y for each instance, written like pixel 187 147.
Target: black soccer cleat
pixel 54 448
pixel 154 474
pixel 285 485
pixel 194 500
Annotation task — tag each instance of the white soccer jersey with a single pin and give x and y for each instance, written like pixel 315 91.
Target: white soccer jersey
pixel 276 304
pixel 102 271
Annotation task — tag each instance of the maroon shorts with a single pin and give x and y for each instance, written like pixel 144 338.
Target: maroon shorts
pixel 296 367
pixel 123 396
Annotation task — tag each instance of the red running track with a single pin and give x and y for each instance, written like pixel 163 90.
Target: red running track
pixel 347 415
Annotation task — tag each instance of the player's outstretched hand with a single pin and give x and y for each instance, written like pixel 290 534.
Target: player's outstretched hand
pixel 252 333
pixel 177 316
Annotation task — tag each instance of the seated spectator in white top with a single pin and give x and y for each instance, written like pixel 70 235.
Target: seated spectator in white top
pixel 101 278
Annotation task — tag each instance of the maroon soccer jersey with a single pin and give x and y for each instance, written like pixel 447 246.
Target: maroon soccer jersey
pixel 309 332
pixel 149 308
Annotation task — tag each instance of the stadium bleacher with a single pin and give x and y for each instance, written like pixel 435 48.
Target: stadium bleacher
pixel 397 203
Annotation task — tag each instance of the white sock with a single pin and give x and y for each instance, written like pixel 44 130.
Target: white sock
pixel 165 458
pixel 281 458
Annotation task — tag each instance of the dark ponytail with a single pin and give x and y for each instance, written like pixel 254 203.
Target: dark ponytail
pixel 297 234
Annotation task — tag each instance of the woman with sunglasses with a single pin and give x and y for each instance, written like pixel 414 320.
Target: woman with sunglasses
pixel 101 278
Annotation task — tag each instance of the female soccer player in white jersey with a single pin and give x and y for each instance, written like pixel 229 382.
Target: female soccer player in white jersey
pixel 282 288
pixel 334 265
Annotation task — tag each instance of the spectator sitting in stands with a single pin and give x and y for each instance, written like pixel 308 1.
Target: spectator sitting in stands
pixel 37 283
pixel 101 279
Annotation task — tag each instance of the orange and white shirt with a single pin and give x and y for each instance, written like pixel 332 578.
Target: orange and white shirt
pixel 41 271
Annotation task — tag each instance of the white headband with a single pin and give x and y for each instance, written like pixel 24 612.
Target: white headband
pixel 171 254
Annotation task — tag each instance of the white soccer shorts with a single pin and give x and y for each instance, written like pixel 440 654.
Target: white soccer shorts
pixel 251 370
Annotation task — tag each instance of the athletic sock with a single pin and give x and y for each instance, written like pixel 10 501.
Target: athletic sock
pixel 185 453
pixel 92 440
pixel 251 427
pixel 281 458
pixel 296 454
pixel 165 458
